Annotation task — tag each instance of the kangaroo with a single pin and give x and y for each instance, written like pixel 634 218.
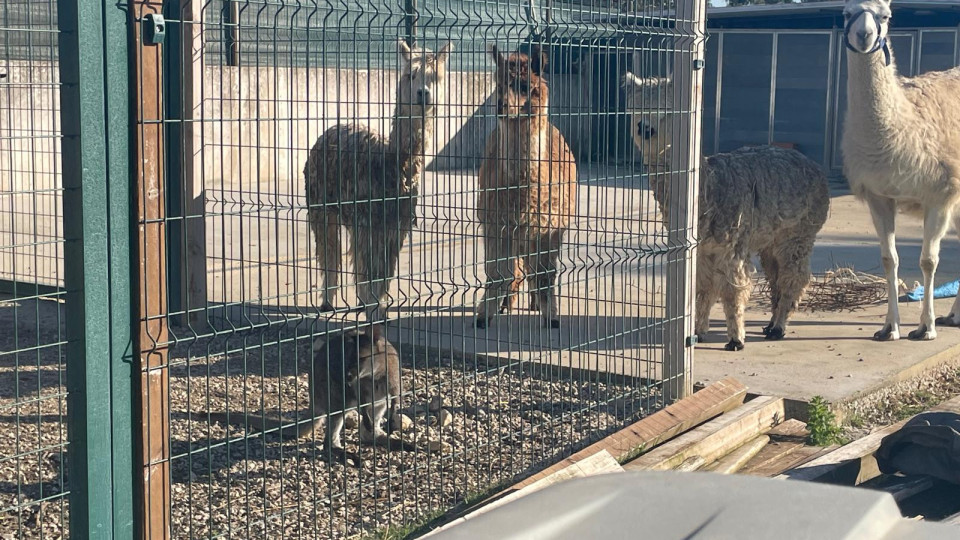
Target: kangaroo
pixel 356 368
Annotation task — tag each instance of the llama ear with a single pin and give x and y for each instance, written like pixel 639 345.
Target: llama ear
pixel 538 59
pixel 444 53
pixel 404 50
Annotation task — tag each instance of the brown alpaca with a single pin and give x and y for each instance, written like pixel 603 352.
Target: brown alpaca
pixel 528 191
pixel 357 179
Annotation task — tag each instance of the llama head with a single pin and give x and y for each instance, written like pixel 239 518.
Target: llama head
pixel 649 102
pixel 866 23
pixel 421 79
pixel 521 90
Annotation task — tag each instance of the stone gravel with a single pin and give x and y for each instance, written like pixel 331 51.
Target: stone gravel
pixel 476 423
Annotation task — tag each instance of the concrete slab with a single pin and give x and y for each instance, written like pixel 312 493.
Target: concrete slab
pixel 832 353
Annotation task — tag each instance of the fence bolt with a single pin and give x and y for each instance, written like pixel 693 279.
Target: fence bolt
pixel 699 63
pixel 154 29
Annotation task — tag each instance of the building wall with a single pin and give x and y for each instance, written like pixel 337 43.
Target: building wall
pixel 789 86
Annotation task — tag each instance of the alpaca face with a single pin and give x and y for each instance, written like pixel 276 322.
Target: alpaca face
pixel 649 102
pixel 866 23
pixel 421 79
pixel 521 90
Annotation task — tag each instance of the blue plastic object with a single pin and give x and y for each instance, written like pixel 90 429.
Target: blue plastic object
pixel 947 290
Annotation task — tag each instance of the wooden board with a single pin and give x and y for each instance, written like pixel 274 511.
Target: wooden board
pixel 853 463
pixel 775 458
pixel 600 463
pixel 716 399
pixel 715 438
pixel 734 461
pixel 691 464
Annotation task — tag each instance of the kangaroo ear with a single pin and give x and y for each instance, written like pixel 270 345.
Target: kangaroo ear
pixel 404 50
pixel 444 53
pixel 538 59
pixel 494 53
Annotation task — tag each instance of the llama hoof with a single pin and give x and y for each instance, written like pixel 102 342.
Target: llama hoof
pixel 923 334
pixel 481 322
pixel 774 333
pixel 887 334
pixel 950 320
pixel 554 323
pixel 766 329
pixel 734 345
pixel 326 307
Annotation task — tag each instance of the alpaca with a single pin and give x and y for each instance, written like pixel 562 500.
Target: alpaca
pixel 901 150
pixel 358 180
pixel 761 200
pixel 528 190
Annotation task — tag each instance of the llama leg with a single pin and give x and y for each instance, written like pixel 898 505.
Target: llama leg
pixel 735 292
pixel 934 228
pixel 500 267
pixel 884 214
pixel 326 232
pixel 375 261
pixel 793 276
pixel 953 319
pixel 771 269
pixel 707 293
pixel 542 257
pixel 510 301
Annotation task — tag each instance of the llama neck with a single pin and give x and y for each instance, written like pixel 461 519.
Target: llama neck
pixel 408 145
pixel 874 95
pixel 523 137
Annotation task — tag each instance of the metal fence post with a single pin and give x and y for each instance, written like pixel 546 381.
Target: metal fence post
pixel 685 182
pixel 99 307
pixel 151 256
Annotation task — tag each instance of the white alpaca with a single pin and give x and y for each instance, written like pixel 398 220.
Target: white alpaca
pixel 901 149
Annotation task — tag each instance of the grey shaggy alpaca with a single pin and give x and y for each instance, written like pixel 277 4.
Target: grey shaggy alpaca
pixel 357 179
pixel 761 200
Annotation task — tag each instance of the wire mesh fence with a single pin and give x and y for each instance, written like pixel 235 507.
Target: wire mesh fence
pixel 460 230
pixel 32 339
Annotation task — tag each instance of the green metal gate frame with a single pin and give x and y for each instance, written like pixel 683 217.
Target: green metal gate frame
pixel 102 370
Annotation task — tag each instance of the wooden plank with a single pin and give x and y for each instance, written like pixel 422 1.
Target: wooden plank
pixel 847 465
pixel 600 463
pixel 716 399
pixel 691 464
pixel 775 458
pixel 734 461
pixel 152 341
pixel 717 437
pixel 904 487
pixel 793 459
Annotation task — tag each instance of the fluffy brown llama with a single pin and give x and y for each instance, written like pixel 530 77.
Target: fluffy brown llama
pixel 358 180
pixel 528 191
pixel 762 200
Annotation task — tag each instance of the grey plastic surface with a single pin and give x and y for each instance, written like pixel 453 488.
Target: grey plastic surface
pixel 672 505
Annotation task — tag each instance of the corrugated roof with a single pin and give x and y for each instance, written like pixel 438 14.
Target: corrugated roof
pixel 777 10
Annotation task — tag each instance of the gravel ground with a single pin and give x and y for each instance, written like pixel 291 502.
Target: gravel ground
pixel 504 420
pixel 901 400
